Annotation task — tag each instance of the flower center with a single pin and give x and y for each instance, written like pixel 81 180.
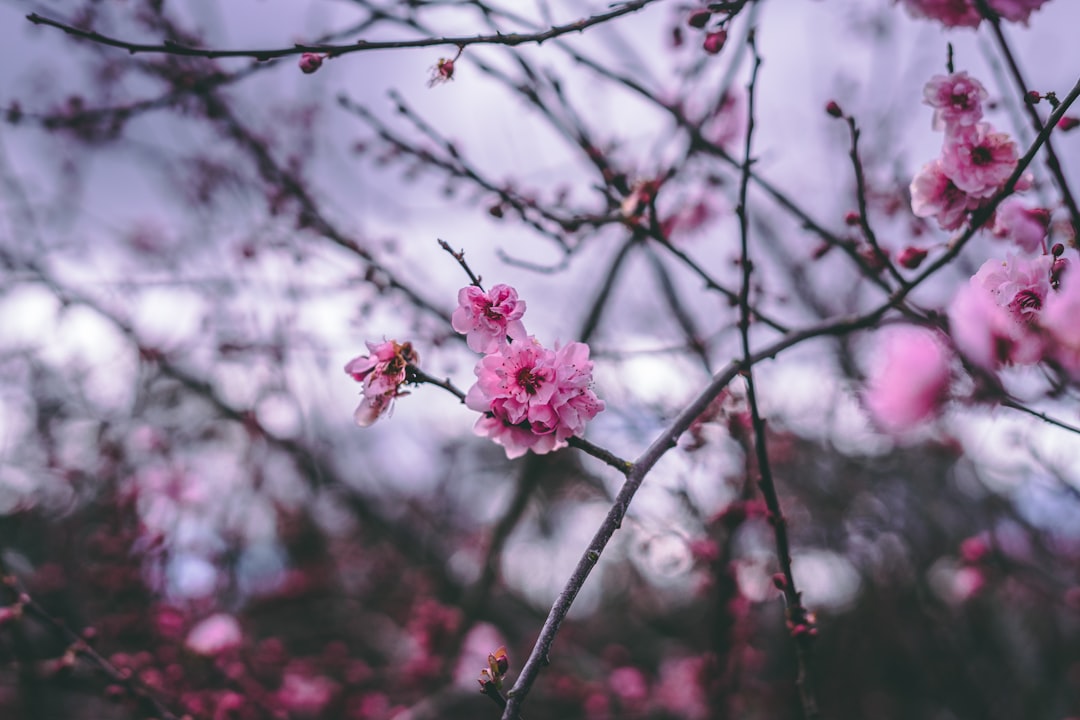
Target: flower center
pixel 1027 301
pixel 527 381
pixel 981 155
pixel 960 100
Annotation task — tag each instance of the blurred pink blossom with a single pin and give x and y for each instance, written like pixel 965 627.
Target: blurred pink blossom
pixel 215 635
pixel 1024 226
pixel 965 13
pixel 487 318
pixel 382 374
pixel 533 398
pixel 979 160
pixel 911 382
pixel 1061 321
pixel 991 318
pixel 956 99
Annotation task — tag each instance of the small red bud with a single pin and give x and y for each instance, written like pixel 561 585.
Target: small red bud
pixel 852 218
pixel 714 41
pixel 779 581
pixel 911 257
pixel 310 62
pixel 834 109
pixel 1032 97
pixel 1058 250
pixel 1067 123
pixel 698 18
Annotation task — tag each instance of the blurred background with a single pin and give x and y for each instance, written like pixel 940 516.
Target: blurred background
pixel 192 249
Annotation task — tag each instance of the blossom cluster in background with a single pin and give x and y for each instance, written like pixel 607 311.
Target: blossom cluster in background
pixel 531 397
pixel 965 13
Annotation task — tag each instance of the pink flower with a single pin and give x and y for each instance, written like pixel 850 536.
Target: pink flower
pixel 1016 10
pixel 950 13
pixel 214 635
pixel 933 194
pixel 533 398
pixel 991 318
pixel 1019 284
pixel 488 318
pixel 979 161
pixel 1022 225
pixel 382 374
pixel 1061 321
pixel 912 380
pixel 956 99
pixel 964 13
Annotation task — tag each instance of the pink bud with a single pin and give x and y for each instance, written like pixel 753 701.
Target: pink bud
pixel 310 62
pixel 833 109
pixel 714 41
pixel 911 257
pixel 1067 123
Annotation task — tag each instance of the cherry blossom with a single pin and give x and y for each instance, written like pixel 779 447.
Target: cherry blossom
pixel 1059 320
pixel 215 635
pixel 488 318
pixel 991 319
pixel 965 13
pixel 382 373
pixel 1019 284
pixel 533 398
pixel 1024 226
pixel 911 382
pixel 933 194
pixel 956 99
pixel 980 161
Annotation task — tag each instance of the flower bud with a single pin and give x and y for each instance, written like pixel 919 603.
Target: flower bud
pixel 911 257
pixel 310 62
pixel 714 41
pixel 834 109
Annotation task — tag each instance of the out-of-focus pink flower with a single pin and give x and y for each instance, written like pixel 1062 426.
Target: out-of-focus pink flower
pixel 1016 10
pixel 382 373
pixel 991 318
pixel 488 318
pixel 306 696
pixel 911 382
pixel 956 99
pixel 950 13
pixel 215 635
pixel 533 398
pixel 964 13
pixel 979 161
pixel 1022 225
pixel 1061 321
pixel 934 195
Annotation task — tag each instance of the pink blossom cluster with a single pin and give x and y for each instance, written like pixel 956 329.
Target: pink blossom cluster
pixel 382 373
pixel 975 163
pixel 531 397
pixel 965 13
pixel 1020 311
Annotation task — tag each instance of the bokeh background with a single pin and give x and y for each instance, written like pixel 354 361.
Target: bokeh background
pixel 191 250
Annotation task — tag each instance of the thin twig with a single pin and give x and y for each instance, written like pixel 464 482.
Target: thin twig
pixel 459 255
pixel 860 194
pixel 798 619
pixel 336 50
